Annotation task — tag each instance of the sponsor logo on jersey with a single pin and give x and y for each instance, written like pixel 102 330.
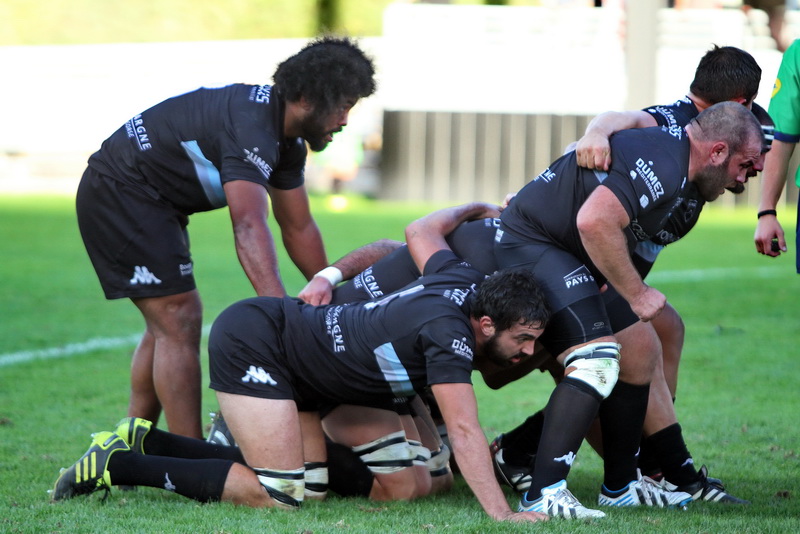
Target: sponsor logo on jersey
pixel 136 130
pixel 547 175
pixel 645 171
pixel 366 281
pixel 334 329
pixel 664 112
pixel 498 236
pixel 186 268
pixel 581 275
pixel 258 375
pixel 143 276
pixel 568 458
pixel 258 161
pixel 644 201
pixel 776 86
pixel 458 295
pixel 462 348
pixel 638 231
pixel 675 131
pixel 261 94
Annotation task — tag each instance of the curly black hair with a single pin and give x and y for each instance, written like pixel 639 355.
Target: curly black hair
pixel 326 71
pixel 511 296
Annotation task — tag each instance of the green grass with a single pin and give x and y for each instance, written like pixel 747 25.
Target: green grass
pixel 738 398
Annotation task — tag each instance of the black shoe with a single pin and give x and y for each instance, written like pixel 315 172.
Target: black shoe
pixel 219 432
pixel 706 489
pixel 517 477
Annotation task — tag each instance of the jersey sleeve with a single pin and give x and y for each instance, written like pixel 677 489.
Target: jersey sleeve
pixel 784 106
pixel 641 181
pixel 290 172
pixel 448 344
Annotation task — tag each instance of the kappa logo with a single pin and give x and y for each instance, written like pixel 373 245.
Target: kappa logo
pixel 143 276
pixel 567 458
pixel 168 485
pixel 258 375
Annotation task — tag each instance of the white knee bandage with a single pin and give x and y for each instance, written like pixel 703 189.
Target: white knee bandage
pixel 286 487
pixel 421 453
pixel 597 365
pixel 316 480
pixel 388 454
pixel 439 464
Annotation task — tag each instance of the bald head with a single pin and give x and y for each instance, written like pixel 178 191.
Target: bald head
pixel 726 144
pixel 729 122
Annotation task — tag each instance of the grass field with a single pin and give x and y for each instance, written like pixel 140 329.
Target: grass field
pixel 65 351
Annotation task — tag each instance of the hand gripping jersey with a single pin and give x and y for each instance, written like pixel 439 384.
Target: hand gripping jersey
pixel 186 148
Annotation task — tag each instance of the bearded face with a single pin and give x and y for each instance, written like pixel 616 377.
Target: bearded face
pixel 318 130
pixel 712 181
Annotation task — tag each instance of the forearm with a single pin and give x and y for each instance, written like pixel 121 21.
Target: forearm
pixel 256 251
pixel 356 261
pixel 773 178
pixel 608 249
pixel 426 236
pixel 305 248
pixel 610 122
pixel 459 410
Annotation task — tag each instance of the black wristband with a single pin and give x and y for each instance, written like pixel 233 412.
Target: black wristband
pixel 767 212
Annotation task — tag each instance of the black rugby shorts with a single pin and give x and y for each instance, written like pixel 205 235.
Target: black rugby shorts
pixel 138 244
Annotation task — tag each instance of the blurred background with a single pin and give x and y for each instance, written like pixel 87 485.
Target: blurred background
pixel 475 98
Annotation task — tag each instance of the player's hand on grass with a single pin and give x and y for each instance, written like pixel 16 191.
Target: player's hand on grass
pixel 520 517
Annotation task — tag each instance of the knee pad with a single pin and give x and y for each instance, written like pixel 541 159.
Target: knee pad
pixel 597 365
pixel 316 478
pixel 286 487
pixel 387 454
pixel 421 453
pixel 439 462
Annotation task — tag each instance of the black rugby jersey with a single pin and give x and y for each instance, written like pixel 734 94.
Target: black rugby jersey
pixel 648 173
pixel 391 346
pixel 185 148
pixel 470 241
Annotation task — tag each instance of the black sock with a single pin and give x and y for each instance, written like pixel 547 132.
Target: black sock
pixel 347 474
pixel 621 419
pixel 676 462
pixel 648 460
pixel 160 443
pixel 520 445
pixel 201 480
pixel 568 415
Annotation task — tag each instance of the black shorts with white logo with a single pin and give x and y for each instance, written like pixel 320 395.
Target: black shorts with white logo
pixel 246 351
pixel 138 244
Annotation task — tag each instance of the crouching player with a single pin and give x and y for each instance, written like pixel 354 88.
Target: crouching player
pixel 272 357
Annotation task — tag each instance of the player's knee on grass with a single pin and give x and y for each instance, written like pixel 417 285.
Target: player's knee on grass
pixel 316 478
pixel 286 487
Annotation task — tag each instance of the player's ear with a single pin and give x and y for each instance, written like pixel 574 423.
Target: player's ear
pixel 487 326
pixel 719 152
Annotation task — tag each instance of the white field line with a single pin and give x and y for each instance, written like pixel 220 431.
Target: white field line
pixel 665 277
pixel 74 349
